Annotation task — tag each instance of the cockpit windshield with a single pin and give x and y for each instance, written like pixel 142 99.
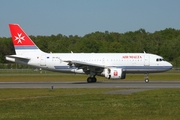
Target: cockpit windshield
pixel 160 59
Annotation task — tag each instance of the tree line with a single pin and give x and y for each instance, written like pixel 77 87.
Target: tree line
pixel 165 43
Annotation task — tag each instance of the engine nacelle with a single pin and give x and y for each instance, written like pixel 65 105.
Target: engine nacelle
pixel 114 73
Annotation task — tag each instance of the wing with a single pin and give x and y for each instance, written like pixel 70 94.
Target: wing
pixel 85 65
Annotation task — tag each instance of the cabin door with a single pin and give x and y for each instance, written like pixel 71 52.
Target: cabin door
pixel 146 60
pixel 43 60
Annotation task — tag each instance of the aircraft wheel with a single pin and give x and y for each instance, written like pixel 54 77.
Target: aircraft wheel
pixel 94 79
pixel 146 80
pixel 89 79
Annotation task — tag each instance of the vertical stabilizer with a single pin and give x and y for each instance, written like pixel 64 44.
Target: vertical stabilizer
pixel 22 42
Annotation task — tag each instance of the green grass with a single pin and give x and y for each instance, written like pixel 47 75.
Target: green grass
pixel 161 104
pixel 46 76
pixel 44 104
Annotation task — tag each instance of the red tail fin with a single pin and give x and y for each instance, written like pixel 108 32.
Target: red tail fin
pixel 22 42
pixel 20 39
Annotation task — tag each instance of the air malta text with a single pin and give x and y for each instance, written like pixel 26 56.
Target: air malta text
pixel 132 57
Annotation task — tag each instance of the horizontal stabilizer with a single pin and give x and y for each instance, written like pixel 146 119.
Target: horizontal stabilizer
pixel 17 56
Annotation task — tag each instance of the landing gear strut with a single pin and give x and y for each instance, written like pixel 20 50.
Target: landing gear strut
pixel 146 78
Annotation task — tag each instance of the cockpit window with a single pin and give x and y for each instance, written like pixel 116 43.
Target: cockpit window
pixel 159 59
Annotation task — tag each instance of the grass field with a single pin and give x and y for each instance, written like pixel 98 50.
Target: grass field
pixel 81 104
pixel 46 76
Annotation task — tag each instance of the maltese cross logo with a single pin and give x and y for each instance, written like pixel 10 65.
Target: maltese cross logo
pixel 19 38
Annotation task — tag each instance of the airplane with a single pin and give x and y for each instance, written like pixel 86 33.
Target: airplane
pixel 110 65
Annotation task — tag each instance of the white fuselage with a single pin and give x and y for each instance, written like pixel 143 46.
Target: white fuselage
pixel 111 65
pixel 129 62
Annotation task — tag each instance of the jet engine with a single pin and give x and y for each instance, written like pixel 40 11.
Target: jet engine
pixel 114 73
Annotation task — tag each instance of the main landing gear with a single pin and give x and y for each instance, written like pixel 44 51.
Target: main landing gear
pixel 146 78
pixel 91 79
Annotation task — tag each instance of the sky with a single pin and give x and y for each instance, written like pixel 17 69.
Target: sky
pixel 81 17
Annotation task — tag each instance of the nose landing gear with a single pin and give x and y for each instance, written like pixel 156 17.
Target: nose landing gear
pixel 146 78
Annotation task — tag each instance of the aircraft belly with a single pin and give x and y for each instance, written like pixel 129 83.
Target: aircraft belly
pixel 144 69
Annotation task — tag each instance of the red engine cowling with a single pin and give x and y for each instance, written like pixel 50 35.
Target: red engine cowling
pixel 114 73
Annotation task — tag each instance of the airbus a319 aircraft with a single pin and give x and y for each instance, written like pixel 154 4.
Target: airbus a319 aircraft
pixel 110 65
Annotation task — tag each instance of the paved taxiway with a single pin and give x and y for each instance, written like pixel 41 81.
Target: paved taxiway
pixel 120 84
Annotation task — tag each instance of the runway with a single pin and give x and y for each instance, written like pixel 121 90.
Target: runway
pixel 120 84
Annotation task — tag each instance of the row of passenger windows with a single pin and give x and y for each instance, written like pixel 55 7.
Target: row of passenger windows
pixel 158 59
pixel 108 60
pixel 100 60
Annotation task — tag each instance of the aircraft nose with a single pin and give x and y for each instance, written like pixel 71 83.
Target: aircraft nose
pixel 170 65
